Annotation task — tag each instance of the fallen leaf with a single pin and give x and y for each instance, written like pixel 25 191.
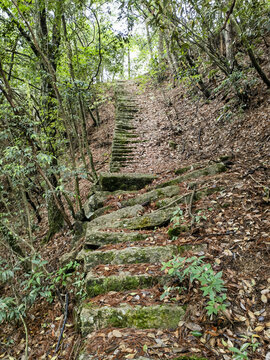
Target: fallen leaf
pixel 193 326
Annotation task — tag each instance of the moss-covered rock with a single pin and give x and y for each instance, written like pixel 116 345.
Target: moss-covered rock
pixel 132 255
pixel 100 238
pixel 177 230
pixel 124 281
pixel 153 195
pixel 107 220
pixel 95 202
pixel 158 316
pixel 116 181
pixel 209 170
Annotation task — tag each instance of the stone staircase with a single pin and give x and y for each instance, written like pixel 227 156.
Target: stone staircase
pixel 115 247
pixel 124 133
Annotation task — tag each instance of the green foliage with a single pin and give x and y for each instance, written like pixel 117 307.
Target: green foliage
pixel 27 287
pixel 194 268
pixel 177 219
pixel 242 353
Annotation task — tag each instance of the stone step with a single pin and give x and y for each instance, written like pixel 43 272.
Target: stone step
pixel 125 152
pixel 96 285
pixel 126 142
pixel 206 171
pixel 124 127
pixel 106 220
pixel 130 255
pixel 151 220
pixel 153 195
pixel 92 318
pixel 100 238
pixel 130 181
pixel 122 159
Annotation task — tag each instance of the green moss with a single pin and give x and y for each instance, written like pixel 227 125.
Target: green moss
pixel 118 283
pixel 182 170
pixel 176 231
pixel 209 170
pixel 147 318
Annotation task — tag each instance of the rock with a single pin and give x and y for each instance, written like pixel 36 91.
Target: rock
pixel 79 229
pixel 157 316
pixel 116 181
pixel 153 195
pixel 108 219
pixel 209 170
pixel 100 238
pixel 95 202
pixel 68 257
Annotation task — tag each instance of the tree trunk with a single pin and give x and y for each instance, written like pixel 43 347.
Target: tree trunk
pixel 228 38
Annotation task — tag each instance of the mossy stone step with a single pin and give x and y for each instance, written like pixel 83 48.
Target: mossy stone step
pixel 148 221
pixel 153 195
pixel 124 127
pixel 122 159
pixel 123 133
pixel 106 220
pixel 131 255
pixel 131 181
pixel 100 238
pixel 176 200
pixel 206 171
pixel 117 152
pixel 123 147
pixel 185 169
pixel 92 318
pixel 124 281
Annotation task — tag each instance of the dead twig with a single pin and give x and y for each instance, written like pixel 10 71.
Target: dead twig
pixel 63 326
pixel 190 206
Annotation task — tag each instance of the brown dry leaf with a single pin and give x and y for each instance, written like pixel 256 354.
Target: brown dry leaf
pixel 193 326
pixel 239 318
pixel 259 328
pixel 264 299
pixel 130 356
pixel 251 315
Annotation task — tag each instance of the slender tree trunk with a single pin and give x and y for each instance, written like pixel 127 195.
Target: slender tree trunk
pixel 251 54
pixel 228 37
pixel 149 42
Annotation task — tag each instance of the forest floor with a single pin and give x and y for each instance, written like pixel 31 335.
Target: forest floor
pixel 178 128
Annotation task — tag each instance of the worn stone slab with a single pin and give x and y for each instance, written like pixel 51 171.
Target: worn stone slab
pixel 176 200
pixel 106 220
pixel 131 255
pixel 209 170
pixel 191 167
pixel 157 316
pixel 100 238
pixel 148 221
pixel 96 285
pixel 117 181
pixel 153 195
